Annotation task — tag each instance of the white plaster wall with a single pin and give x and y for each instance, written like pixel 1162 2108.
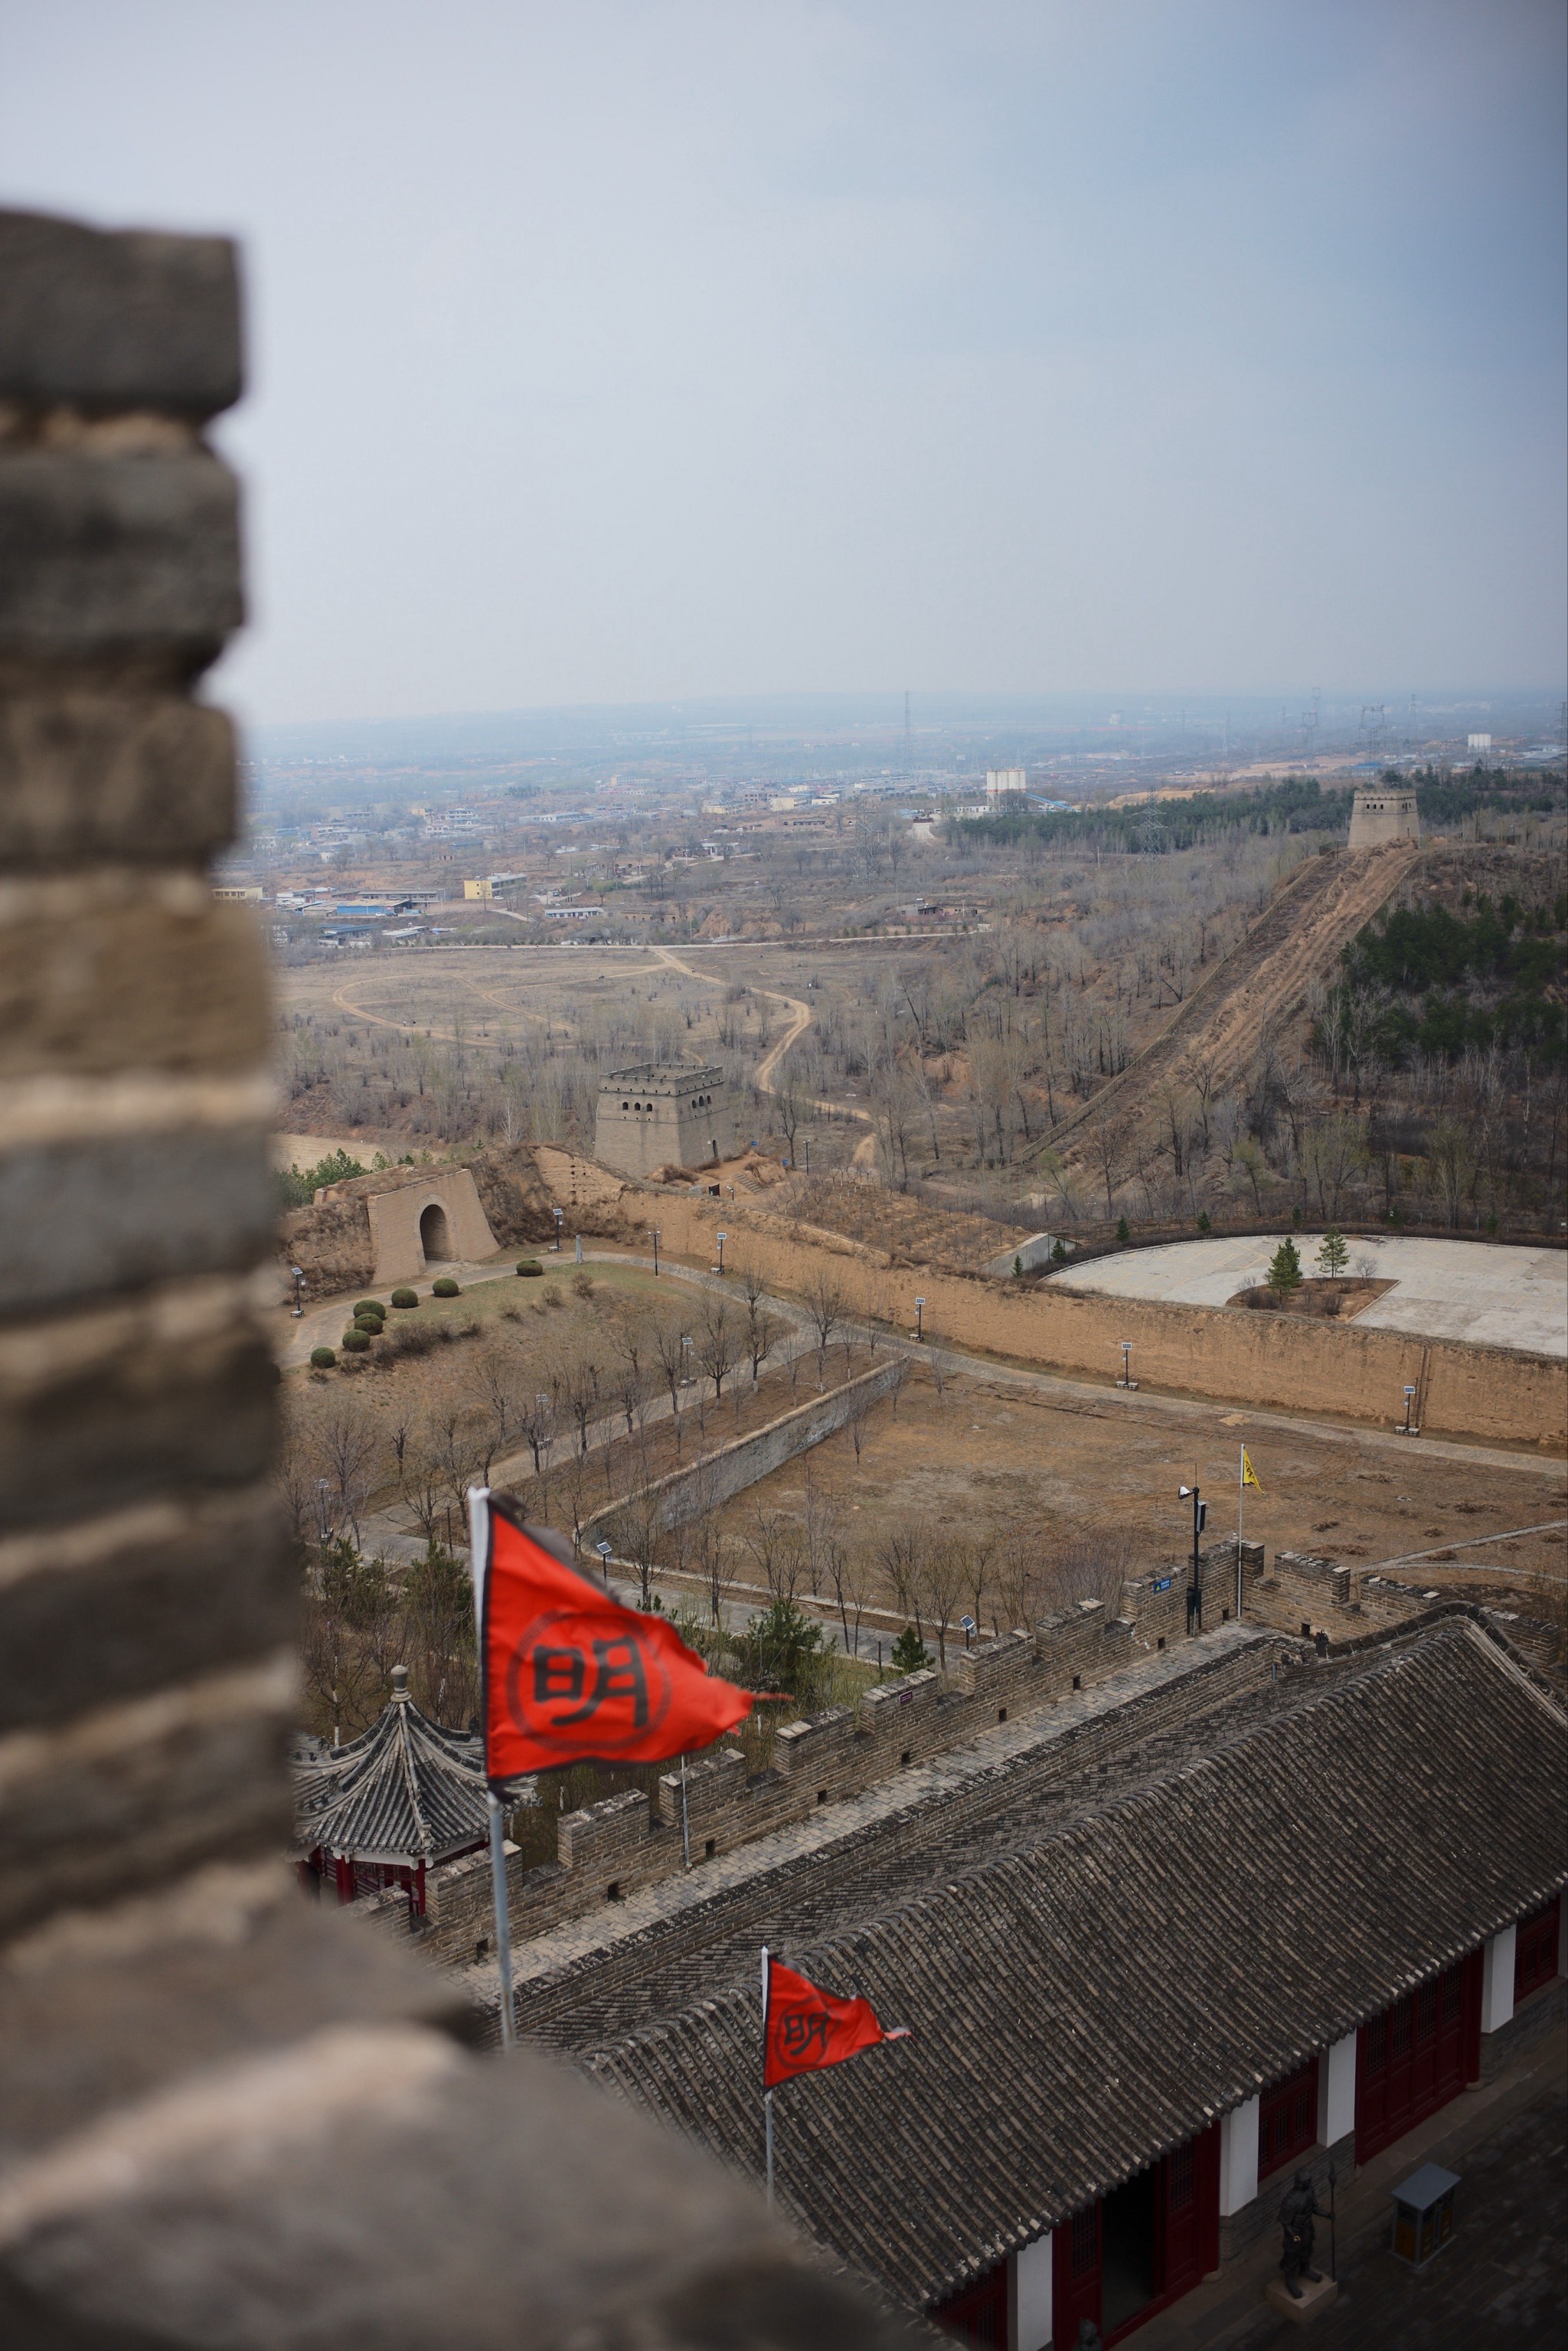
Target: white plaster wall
pixel 1336 2090
pixel 1029 2286
pixel 1238 2157
pixel 1497 1980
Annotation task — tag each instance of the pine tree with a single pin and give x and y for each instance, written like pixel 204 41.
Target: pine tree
pixel 1334 1253
pixel 909 1652
pixel 1285 1270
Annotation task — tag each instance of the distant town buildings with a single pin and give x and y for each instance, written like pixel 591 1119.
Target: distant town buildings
pixel 1002 782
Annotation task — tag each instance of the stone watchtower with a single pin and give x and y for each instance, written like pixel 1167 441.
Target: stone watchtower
pixel 651 1117
pixel 1384 812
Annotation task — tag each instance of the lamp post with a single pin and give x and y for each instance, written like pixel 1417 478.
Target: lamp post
pixel 685 1373
pixel 299 1273
pixel 1194 1589
pixel 967 1625
pixel 1126 1380
pixel 559 1216
pixel 920 1318
pixel 721 1238
pixel 603 1548
pixel 653 1235
pixel 1409 1400
pixel 807 1141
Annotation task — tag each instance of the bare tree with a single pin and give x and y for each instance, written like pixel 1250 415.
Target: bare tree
pixel 671 1337
pixel 825 1306
pixel 944 1581
pixel 347 1441
pixel 717 1342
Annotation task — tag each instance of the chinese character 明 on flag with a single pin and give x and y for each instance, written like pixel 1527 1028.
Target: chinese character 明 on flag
pixel 805 2028
pixel 568 1673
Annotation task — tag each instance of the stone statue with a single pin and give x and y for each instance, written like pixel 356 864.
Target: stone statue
pixel 1300 2210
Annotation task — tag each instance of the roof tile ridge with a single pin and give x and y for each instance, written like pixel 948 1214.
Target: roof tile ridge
pixel 424 1832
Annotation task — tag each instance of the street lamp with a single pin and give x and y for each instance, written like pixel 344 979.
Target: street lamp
pixel 968 1623
pixel 559 1216
pixel 653 1235
pixel 721 1238
pixel 686 1375
pixel 1194 1589
pixel 603 1548
pixel 806 1139
pixel 920 1318
pixel 1409 1400
pixel 1126 1380
pixel 299 1273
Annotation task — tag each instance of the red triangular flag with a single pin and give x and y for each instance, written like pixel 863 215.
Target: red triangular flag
pixel 806 2028
pixel 569 1675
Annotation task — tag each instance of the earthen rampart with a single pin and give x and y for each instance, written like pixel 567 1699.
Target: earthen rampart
pixel 1284 1363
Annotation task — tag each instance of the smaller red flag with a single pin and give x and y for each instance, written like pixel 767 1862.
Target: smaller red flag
pixel 805 2028
pixel 569 1675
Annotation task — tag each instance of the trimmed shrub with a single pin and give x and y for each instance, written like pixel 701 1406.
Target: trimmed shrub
pixel 371 1322
pixel 322 1359
pixel 444 1288
pixel 355 1341
pixel 368 1306
pixel 530 1266
pixel 405 1298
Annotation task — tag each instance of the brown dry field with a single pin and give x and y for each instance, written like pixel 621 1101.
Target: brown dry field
pixel 996 1450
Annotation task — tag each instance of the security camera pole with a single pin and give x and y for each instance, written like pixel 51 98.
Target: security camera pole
pixel 1194 1589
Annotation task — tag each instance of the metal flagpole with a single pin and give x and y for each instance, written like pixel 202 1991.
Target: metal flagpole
pixel 767 2094
pixel 479 1566
pixel 503 1922
pixel 686 1824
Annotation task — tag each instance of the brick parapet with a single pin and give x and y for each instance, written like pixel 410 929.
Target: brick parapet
pixel 630 1841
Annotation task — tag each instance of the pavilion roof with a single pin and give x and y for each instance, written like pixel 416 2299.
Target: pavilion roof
pixel 404 1790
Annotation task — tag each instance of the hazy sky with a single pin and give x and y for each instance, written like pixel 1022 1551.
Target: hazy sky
pixel 624 349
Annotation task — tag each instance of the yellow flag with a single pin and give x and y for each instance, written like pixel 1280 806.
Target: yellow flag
pixel 1249 1475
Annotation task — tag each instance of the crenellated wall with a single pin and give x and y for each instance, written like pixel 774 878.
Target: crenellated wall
pixel 610 1850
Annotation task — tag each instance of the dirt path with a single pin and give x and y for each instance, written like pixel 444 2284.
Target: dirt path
pixel 801 1018
pixel 1251 993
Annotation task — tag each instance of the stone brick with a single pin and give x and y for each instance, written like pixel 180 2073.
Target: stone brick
pixel 142 974
pixel 81 1217
pixel 107 554
pixel 605 1837
pixel 143 1788
pixel 110 1404
pixel 118 319
pixel 800 1749
pixel 713 1787
pixel 168 1588
pixel 89 774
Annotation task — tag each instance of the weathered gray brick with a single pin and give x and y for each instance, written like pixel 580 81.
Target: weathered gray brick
pixel 88 773
pixel 141 1788
pixel 113 320
pixel 76 1218
pixel 168 1589
pixel 107 554
pixel 111 1403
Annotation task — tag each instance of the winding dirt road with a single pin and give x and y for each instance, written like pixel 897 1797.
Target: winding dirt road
pixel 801 1018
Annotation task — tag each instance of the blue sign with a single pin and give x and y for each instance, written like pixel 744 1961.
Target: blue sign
pixel 1162 1584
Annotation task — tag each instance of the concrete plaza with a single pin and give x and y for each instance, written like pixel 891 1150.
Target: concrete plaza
pixel 1495 1297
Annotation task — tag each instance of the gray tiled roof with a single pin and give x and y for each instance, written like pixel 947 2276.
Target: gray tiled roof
pixel 1090 1991
pixel 404 1791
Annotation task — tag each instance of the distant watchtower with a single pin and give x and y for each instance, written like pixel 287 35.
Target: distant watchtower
pixel 1383 814
pixel 651 1117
